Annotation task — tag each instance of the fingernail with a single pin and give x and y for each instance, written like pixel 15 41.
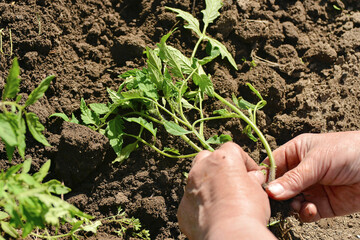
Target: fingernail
pixel 275 189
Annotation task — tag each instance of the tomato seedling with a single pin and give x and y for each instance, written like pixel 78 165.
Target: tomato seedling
pixel 166 91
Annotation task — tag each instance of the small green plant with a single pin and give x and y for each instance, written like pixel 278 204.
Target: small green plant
pixel 27 203
pixel 165 93
pixel 127 225
pixel 14 117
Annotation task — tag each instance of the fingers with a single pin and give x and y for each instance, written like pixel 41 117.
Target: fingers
pixel 232 153
pixel 257 176
pixel 236 152
pixel 290 154
pixel 199 156
pixel 293 182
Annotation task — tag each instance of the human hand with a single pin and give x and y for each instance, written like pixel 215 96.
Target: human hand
pixel 325 169
pixel 223 197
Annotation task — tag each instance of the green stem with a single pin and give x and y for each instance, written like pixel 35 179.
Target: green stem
pixel 197 46
pixel 162 152
pixel 201 130
pixel 272 168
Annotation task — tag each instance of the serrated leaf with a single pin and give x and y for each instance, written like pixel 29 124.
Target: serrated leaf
pixel 223 51
pixel 99 108
pixel 204 83
pixel 10 230
pixel 211 11
pixel 142 122
pixel 114 131
pixel 175 59
pixel 88 116
pixel 7 132
pixel 130 73
pixel 155 68
pixel 149 89
pixel 92 227
pixel 126 151
pixel 54 186
pixel 174 129
pixel 43 171
pixel 36 128
pixel 60 115
pixel 12 82
pixel 223 138
pixel 39 91
pixel 193 23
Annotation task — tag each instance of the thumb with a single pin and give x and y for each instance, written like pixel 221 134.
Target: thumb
pixel 295 181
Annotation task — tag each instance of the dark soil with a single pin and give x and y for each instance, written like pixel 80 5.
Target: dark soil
pixel 307 56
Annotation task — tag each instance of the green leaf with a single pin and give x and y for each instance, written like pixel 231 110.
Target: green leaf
pixel 12 170
pixel 26 166
pixel 88 116
pixel 204 83
pixel 149 89
pixel 76 226
pixel 60 115
pixel 174 129
pixel 130 73
pixel 248 131
pixel 92 227
pixel 54 186
pixel 154 68
pixel 223 51
pixel 9 151
pixel 114 131
pixel 3 215
pixel 126 151
pixel 7 132
pixel 10 230
pixel 255 91
pixel 186 104
pixel 145 124
pixel 12 82
pixel 74 119
pixel 224 113
pixel 39 91
pixel 43 171
pixel 114 96
pixel 99 108
pixel 174 58
pixel 223 138
pixel 193 23
pixel 171 150
pixel 36 128
pixel 211 11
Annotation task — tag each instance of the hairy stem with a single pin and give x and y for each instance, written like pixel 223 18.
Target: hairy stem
pixel 272 168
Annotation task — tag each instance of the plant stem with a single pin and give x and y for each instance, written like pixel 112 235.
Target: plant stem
pixel 162 152
pixel 272 168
